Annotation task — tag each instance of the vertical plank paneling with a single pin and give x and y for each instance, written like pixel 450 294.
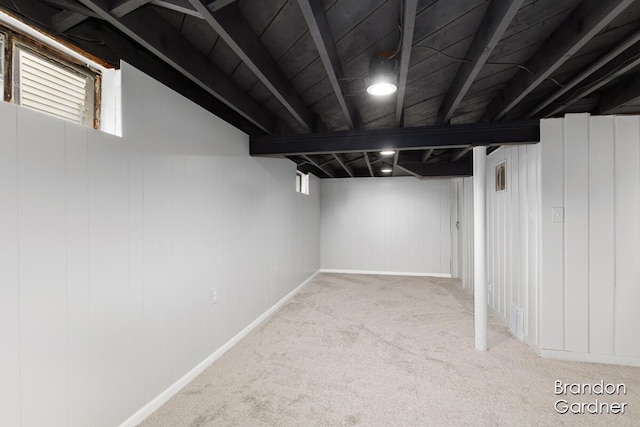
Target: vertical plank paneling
pixel 601 235
pixel 9 280
pixel 109 278
pixel 627 235
pixel 533 255
pixel 552 235
pixel 576 193
pixel 77 225
pixel 42 252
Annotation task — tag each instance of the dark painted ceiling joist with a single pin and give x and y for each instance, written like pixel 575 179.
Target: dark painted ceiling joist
pixel 413 138
pixel 587 20
pixel 67 19
pixel 346 167
pixel 408 27
pixel 182 6
pixel 496 21
pixel 427 154
pixel 620 66
pixel 368 162
pixel 234 29
pixel 320 167
pixel 149 29
pixel 316 18
pixel 596 66
pixel 625 92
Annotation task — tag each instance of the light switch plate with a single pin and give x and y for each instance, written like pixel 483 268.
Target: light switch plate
pixel 557 214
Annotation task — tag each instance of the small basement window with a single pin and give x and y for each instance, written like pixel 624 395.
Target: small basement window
pixel 41 74
pixel 302 182
pixel 47 85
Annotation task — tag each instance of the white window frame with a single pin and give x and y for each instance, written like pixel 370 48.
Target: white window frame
pixel 302 182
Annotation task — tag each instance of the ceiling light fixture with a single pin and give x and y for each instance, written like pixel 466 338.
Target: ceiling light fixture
pixel 382 75
pixel 387 153
pixel 386 170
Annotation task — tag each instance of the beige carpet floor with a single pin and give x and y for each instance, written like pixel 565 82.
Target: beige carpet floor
pixel 386 351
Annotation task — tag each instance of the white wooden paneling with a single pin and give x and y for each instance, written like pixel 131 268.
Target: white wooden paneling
pixel 386 224
pixel 627 235
pixel 533 204
pixel 9 279
pixel 77 230
pixel 42 262
pixel 552 235
pixel 576 211
pixel 121 241
pixel 601 235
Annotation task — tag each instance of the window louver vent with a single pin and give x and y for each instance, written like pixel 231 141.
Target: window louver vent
pixel 53 89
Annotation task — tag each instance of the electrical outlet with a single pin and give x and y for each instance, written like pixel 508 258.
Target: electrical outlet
pixel 214 296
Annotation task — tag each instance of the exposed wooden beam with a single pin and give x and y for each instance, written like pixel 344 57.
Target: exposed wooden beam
pixel 347 168
pixel 395 163
pixel 321 168
pixel 427 154
pixel 316 18
pixel 236 32
pixel 412 138
pixel 72 6
pixel 366 159
pixel 409 171
pixel 461 154
pixel 587 20
pixel 627 42
pixel 182 6
pixel 151 31
pixel 408 26
pixel 620 66
pixel 495 22
pixel 66 20
pixel 625 92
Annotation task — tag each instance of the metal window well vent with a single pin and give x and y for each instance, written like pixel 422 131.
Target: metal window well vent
pixel 516 322
pixel 53 89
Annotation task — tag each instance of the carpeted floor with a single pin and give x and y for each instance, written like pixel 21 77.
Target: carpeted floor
pixel 386 351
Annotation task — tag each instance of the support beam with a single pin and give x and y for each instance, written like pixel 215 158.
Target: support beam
pixel 395 163
pixel 320 167
pixel 461 154
pixel 66 20
pixel 625 92
pixel 480 298
pixel 495 22
pixel 600 63
pixel 182 6
pixel 615 69
pixel 347 168
pixel 150 30
pixel 587 20
pixel 72 6
pixel 316 18
pixel 412 138
pixel 408 26
pixel 366 159
pixel 440 169
pixel 236 32
pixel 427 154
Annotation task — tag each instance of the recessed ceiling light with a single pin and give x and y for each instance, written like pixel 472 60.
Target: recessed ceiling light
pixel 382 89
pixel 387 152
pixel 386 170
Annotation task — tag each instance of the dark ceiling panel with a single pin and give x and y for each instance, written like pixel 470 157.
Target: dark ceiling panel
pixel 199 33
pixel 260 13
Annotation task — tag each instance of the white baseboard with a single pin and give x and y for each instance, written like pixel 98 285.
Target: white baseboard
pixel 384 273
pixel 590 357
pixel 159 400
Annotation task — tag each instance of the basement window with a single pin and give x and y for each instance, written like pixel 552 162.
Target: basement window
pixel 302 182
pixel 501 176
pixel 42 78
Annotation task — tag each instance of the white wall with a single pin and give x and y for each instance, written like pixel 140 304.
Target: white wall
pixel 462 230
pixel 110 249
pixel 513 238
pixel 399 225
pixel 590 276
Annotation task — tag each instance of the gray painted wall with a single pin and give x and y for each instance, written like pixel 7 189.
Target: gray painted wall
pixel 110 249
pixel 399 225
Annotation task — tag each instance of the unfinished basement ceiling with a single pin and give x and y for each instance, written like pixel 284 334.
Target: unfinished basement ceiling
pixel 284 69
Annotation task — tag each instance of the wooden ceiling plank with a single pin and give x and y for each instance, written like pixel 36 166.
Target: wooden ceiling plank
pixel 238 34
pixel 623 93
pixel 495 22
pixel 587 20
pixel 314 14
pixel 408 27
